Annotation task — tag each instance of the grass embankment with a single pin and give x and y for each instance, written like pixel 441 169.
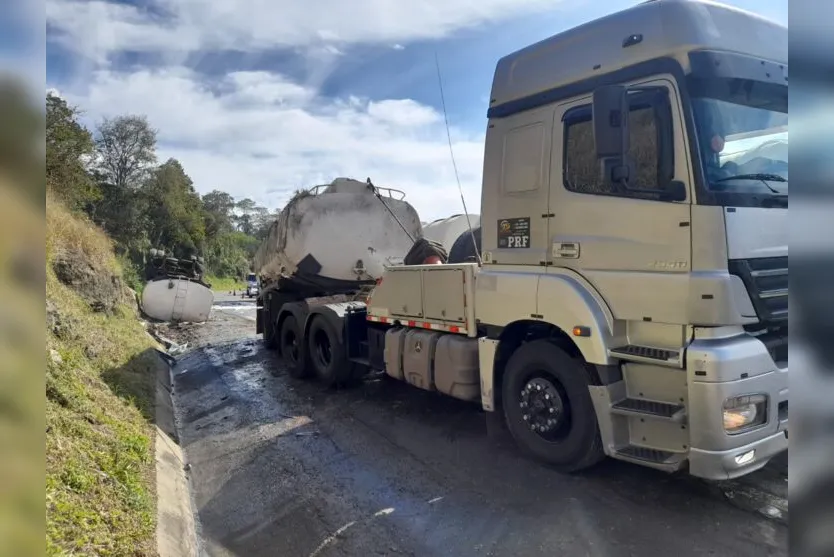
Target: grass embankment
pixel 100 381
pixel 225 284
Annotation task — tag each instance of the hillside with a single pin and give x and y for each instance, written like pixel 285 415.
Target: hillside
pixel 100 379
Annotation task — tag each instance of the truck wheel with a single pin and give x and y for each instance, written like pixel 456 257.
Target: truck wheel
pixel 270 336
pixel 548 408
pixel 327 354
pixel 291 343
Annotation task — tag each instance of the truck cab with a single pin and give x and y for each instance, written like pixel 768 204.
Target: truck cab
pixel 635 192
pixel 630 299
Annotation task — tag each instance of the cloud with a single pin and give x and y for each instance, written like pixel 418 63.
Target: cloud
pixel 264 133
pixel 96 28
pixel 250 133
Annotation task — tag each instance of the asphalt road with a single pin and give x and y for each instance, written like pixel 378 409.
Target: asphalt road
pixel 281 468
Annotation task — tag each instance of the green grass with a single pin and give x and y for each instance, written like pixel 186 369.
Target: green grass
pixel 131 274
pixel 100 381
pixel 225 283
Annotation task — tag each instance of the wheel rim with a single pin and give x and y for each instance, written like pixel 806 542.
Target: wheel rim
pixel 323 351
pixel 290 345
pixel 545 408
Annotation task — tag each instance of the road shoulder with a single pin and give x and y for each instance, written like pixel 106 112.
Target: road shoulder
pixel 176 533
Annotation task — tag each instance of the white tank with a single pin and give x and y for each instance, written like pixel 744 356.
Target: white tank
pixel 339 232
pixel 177 300
pixel 446 231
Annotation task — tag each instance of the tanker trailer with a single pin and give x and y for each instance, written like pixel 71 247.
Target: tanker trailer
pixel 329 244
pixel 447 231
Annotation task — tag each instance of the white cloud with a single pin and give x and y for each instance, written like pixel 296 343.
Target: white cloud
pixel 266 88
pixel 403 112
pixel 260 134
pixel 257 132
pixel 97 28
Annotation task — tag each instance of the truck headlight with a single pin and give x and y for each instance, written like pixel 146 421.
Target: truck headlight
pixel 744 412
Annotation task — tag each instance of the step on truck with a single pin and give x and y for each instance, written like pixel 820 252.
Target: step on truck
pixel 630 299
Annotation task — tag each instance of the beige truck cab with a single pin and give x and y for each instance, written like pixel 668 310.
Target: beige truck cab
pixel 631 299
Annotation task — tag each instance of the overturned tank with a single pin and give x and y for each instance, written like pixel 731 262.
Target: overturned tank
pixel 333 238
pixel 175 290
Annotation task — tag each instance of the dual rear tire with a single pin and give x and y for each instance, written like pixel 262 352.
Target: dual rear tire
pixel 319 353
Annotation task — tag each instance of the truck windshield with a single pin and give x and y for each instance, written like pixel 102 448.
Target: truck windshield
pixel 742 128
pixel 251 278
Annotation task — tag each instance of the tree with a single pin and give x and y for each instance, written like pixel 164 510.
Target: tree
pixel 262 221
pixel 68 144
pixel 126 149
pixel 252 219
pixel 244 218
pixel 175 211
pixel 228 254
pixel 219 207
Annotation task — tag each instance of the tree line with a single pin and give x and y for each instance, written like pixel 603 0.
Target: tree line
pixel 112 175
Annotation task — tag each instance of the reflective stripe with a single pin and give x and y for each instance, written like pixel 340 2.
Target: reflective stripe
pixel 421 325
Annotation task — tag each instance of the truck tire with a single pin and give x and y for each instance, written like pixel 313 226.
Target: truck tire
pixel 327 354
pixel 548 407
pixel 291 343
pixel 270 335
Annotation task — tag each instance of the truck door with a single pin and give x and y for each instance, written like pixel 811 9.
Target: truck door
pixel 516 180
pixel 634 249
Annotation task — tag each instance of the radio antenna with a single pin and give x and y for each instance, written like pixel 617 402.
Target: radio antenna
pixel 452 154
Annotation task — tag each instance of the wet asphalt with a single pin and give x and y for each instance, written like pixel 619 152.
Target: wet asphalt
pixel 280 467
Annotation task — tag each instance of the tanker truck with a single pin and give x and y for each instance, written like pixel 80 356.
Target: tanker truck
pixel 329 244
pixel 630 296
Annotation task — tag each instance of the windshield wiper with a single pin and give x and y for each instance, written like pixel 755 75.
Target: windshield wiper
pixel 770 177
pixel 763 178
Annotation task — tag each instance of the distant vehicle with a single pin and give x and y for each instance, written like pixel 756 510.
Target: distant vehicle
pixel 251 285
pixel 175 290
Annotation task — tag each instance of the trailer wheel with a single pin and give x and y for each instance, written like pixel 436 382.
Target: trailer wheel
pixel 292 343
pixel 327 354
pixel 268 324
pixel 548 408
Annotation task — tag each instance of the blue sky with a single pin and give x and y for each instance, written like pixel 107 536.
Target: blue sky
pixel 260 97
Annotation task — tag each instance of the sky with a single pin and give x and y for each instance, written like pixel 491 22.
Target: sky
pixel 261 97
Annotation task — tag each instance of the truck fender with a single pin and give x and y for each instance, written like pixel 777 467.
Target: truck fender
pixel 333 313
pixel 567 301
pixel 299 310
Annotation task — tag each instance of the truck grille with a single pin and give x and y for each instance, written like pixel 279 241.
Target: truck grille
pixel 766 280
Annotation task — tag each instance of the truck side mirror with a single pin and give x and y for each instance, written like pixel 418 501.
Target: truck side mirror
pixel 611 134
pixel 675 191
pixel 610 117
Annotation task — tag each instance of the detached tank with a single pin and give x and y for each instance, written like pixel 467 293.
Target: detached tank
pixel 175 290
pixel 332 239
pixel 447 231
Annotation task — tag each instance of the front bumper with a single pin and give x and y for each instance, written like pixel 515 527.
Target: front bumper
pixel 720 367
pixel 722 465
